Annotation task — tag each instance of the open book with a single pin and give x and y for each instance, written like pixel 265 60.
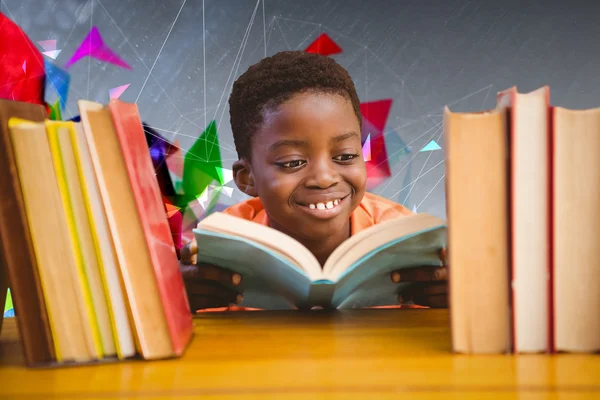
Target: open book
pixel 280 273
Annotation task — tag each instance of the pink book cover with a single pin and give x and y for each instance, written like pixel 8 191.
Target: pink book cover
pixel 154 220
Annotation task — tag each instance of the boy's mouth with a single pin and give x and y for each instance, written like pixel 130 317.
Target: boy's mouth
pixel 324 209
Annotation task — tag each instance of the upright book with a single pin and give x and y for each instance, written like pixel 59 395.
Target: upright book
pixel 138 223
pixel 280 273
pixel 522 209
pixel 17 257
pixel 478 232
pixel 154 222
pixel 529 134
pixel 576 231
pixel 93 240
pixel 63 290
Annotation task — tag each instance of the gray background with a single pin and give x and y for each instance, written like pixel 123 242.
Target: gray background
pixel 422 54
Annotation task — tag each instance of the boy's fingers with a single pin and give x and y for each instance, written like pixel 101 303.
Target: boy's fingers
pixel 435 289
pixel 188 252
pixel 421 274
pixel 193 246
pixel 426 289
pixel 444 256
pixel 433 295
pixel 202 272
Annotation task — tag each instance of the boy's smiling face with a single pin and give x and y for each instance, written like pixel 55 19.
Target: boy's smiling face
pixel 307 166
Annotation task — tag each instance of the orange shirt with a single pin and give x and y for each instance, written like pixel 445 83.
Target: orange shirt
pixel 372 210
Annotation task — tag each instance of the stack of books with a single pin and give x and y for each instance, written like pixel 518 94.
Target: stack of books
pixel 523 226
pixel 85 240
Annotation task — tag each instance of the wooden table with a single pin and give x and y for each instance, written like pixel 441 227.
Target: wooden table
pixel 368 354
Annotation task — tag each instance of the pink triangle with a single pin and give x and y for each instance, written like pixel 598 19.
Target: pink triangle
pixel 324 46
pixel 93 46
pixel 115 93
pixel 366 150
pixel 24 66
pixel 377 112
pixel 48 45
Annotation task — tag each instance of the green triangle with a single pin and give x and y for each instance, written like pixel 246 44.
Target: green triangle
pixel 55 114
pixel 9 304
pixel 202 163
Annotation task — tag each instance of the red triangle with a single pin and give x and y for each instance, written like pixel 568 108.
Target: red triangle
pixel 376 112
pixel 324 46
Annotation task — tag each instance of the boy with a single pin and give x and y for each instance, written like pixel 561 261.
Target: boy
pixel 296 124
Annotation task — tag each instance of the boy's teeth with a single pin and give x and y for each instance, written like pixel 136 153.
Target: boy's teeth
pixel 323 206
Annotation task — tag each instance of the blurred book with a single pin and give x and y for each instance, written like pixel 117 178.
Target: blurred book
pixel 521 203
pixel 93 263
pixel 279 272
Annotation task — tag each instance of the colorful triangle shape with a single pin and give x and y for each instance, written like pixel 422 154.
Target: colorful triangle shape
pixel 9 303
pixel 324 46
pixel 52 53
pixel 376 112
pixel 225 174
pixel 366 149
pixel 48 45
pixel 116 92
pixel 93 46
pixel 55 114
pixel 431 146
pixel 202 163
pixel 59 79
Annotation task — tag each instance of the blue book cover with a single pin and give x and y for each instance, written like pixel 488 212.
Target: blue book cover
pixel 280 273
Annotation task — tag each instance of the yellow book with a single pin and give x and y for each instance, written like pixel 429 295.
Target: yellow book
pixel 94 306
pixel 123 343
pixel 50 239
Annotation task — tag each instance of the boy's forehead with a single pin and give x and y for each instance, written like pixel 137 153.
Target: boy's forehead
pixel 307 119
pixel 310 112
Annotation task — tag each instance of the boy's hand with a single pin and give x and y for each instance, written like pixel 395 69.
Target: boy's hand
pixel 431 287
pixel 207 286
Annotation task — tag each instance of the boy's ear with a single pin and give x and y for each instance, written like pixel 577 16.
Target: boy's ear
pixel 243 177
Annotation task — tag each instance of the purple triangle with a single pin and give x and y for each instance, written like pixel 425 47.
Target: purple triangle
pixel 109 56
pixel 93 46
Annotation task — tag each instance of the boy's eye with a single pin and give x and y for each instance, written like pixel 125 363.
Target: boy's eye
pixel 292 164
pixel 345 157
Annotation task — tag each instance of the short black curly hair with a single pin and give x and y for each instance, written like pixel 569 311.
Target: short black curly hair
pixel 274 80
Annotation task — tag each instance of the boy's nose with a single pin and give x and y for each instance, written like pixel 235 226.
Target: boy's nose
pixel 322 175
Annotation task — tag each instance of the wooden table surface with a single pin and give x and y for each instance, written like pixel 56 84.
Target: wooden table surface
pixel 367 354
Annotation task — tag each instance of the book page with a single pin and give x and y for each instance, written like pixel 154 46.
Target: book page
pixel 373 238
pixel 373 269
pixel 268 279
pixel 268 237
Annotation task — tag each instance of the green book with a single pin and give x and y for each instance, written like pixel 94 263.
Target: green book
pixel 280 273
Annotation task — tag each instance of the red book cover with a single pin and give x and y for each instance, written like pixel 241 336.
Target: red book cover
pixel 154 220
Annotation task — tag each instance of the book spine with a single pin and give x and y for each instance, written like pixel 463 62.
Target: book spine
pixel 551 139
pixel 510 188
